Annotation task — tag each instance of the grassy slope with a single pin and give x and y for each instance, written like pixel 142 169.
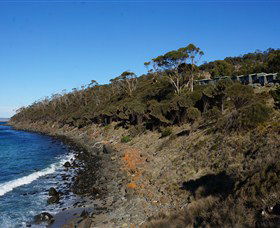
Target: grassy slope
pixel 200 176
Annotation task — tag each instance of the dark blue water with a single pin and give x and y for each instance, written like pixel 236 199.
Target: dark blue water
pixel 30 164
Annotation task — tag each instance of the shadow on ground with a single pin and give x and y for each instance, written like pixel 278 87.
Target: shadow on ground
pixel 211 184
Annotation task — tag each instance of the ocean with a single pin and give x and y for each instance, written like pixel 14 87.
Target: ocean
pixel 30 164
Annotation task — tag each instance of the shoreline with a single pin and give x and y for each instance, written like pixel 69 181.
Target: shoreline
pixel 94 201
pixel 62 174
pixel 129 183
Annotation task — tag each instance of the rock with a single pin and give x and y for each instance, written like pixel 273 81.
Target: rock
pixel 43 217
pixel 53 199
pixel 75 165
pixel 108 149
pixel 67 164
pixel 65 177
pixel 84 214
pixel 53 192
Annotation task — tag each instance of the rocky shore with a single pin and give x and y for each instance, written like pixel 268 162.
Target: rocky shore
pixel 191 176
pixel 107 178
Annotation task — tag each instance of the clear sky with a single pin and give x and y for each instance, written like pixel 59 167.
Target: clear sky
pixel 48 46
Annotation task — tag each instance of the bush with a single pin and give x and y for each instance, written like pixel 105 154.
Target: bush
pixel 276 96
pixel 248 117
pixel 253 115
pixel 193 114
pixel 213 113
pixel 240 95
pixel 126 139
pixel 166 132
pixel 137 130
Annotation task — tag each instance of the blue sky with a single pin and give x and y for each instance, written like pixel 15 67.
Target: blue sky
pixel 48 46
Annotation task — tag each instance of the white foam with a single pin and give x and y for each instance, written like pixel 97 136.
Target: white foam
pixel 10 185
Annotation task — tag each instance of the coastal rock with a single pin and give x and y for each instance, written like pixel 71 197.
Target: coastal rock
pixel 65 177
pixel 84 214
pixel 67 164
pixel 43 217
pixel 53 199
pixel 53 192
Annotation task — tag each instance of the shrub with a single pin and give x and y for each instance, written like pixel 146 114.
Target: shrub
pixel 240 95
pixel 247 118
pixel 254 115
pixel 276 96
pixel 136 130
pixel 213 113
pixel 193 113
pixel 125 139
pixel 166 132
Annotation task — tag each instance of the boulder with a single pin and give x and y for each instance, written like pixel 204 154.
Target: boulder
pixel 53 199
pixel 53 192
pixel 67 164
pixel 84 214
pixel 108 149
pixel 43 217
pixel 64 177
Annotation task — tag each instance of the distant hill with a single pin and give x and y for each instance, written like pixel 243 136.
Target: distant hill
pixel 4 119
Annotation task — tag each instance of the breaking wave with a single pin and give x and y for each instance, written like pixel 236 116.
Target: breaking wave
pixel 10 185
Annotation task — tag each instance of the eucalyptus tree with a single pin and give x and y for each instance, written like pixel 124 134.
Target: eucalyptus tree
pixel 194 55
pixel 179 66
pixel 128 81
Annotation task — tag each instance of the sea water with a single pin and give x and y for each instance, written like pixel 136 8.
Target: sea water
pixel 30 164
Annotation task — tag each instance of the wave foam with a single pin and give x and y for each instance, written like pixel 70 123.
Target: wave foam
pixel 10 185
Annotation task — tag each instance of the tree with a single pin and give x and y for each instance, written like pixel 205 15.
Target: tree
pixel 93 83
pixel 194 54
pixel 169 63
pixel 174 65
pixel 273 63
pixel 218 68
pixel 128 81
pixel 147 65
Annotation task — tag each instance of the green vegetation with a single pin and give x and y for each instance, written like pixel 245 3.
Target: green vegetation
pixel 166 132
pixel 165 96
pixel 276 96
pixel 267 61
pixel 126 139
pixel 223 144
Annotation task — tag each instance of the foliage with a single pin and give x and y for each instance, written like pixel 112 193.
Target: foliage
pixel 253 115
pixel 276 96
pixel 247 117
pixel 193 113
pixel 166 132
pixel 151 101
pixel 174 65
pixel 258 61
pixel 126 139
pixel 240 95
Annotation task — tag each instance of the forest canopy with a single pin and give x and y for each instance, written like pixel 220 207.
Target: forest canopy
pixel 166 95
